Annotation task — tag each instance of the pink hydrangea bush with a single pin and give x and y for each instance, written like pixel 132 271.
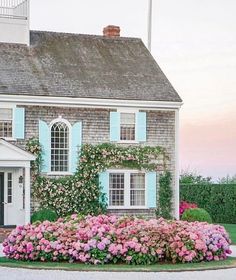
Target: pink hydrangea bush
pixel 184 205
pixel 109 239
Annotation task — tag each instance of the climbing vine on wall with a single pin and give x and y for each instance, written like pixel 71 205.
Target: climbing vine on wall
pixel 165 196
pixel 34 147
pixel 81 193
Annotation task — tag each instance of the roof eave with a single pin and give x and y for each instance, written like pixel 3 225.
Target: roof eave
pixel 87 102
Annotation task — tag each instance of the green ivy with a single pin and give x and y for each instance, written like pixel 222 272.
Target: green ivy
pixel 34 147
pixel 165 196
pixel 81 193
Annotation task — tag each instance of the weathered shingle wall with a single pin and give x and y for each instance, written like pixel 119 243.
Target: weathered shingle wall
pixel 96 122
pixel 95 130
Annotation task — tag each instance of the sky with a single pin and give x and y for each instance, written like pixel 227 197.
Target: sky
pixel 194 42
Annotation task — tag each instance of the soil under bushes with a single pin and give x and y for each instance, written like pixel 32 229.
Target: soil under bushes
pixel 109 239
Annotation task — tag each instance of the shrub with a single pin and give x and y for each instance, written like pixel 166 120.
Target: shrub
pixel 109 239
pixel 217 199
pixel 196 214
pixel 184 205
pixel 44 215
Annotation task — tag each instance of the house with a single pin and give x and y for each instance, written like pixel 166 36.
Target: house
pixel 93 89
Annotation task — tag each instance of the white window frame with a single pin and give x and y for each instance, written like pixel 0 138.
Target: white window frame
pixel 7 189
pixel 12 107
pixel 127 173
pixel 66 122
pixel 129 111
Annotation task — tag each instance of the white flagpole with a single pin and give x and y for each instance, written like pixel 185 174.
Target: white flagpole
pixel 150 25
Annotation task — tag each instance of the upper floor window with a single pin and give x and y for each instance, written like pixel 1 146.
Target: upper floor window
pixel 127 126
pixel 6 122
pixel 59 147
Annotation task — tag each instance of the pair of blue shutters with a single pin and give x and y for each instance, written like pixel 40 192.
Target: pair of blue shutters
pixel 151 187
pixel 45 141
pixel 140 126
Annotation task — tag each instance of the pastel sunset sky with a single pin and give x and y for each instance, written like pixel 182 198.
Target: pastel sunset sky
pixel 194 42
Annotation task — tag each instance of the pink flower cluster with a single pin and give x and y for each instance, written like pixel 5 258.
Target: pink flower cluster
pixel 109 239
pixel 184 205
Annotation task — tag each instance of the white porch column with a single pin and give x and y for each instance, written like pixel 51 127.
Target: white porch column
pixel 176 190
pixel 27 194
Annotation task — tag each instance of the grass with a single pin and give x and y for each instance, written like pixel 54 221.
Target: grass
pixel 228 263
pixel 231 229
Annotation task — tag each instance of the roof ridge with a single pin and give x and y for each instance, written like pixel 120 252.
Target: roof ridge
pixel 95 36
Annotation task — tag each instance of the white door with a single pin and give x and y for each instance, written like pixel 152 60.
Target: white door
pixel 14 212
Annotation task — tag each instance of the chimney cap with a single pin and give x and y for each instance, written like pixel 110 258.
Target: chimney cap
pixel 111 31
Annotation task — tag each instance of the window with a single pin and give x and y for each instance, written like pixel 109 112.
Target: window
pixel 5 122
pixel 127 189
pixel 127 126
pixel 137 189
pixel 59 147
pixel 117 189
pixel 9 187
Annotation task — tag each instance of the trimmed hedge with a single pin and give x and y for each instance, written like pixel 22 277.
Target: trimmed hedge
pixel 217 199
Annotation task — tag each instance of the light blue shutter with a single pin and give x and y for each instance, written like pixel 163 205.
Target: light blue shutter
pixel 104 182
pixel 151 189
pixel 75 145
pixel 45 141
pixel 19 123
pixel 114 126
pixel 141 130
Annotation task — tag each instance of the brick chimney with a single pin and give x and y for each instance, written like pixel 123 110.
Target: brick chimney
pixel 111 31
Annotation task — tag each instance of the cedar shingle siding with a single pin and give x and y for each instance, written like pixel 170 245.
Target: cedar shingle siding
pixel 95 130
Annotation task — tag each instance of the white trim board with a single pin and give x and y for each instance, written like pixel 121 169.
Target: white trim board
pixel 87 102
pixel 20 154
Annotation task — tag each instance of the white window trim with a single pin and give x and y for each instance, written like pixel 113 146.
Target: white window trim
pixel 10 106
pixel 126 173
pixel 12 183
pixel 128 111
pixel 61 173
pixel 58 173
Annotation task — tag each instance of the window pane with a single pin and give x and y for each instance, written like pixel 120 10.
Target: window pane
pixel 137 189
pixel 59 147
pixel 116 189
pixel 127 118
pixel 137 180
pixel 127 126
pixel 5 123
pixel 5 114
pixel 9 187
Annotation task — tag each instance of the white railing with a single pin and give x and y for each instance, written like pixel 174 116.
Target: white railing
pixel 14 9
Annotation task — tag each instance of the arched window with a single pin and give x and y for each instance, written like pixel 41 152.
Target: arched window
pixel 59 147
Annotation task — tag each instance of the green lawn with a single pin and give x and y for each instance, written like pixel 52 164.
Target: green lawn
pixel 231 228
pixel 229 263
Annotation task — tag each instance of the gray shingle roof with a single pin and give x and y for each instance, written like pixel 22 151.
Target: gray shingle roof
pixel 74 65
